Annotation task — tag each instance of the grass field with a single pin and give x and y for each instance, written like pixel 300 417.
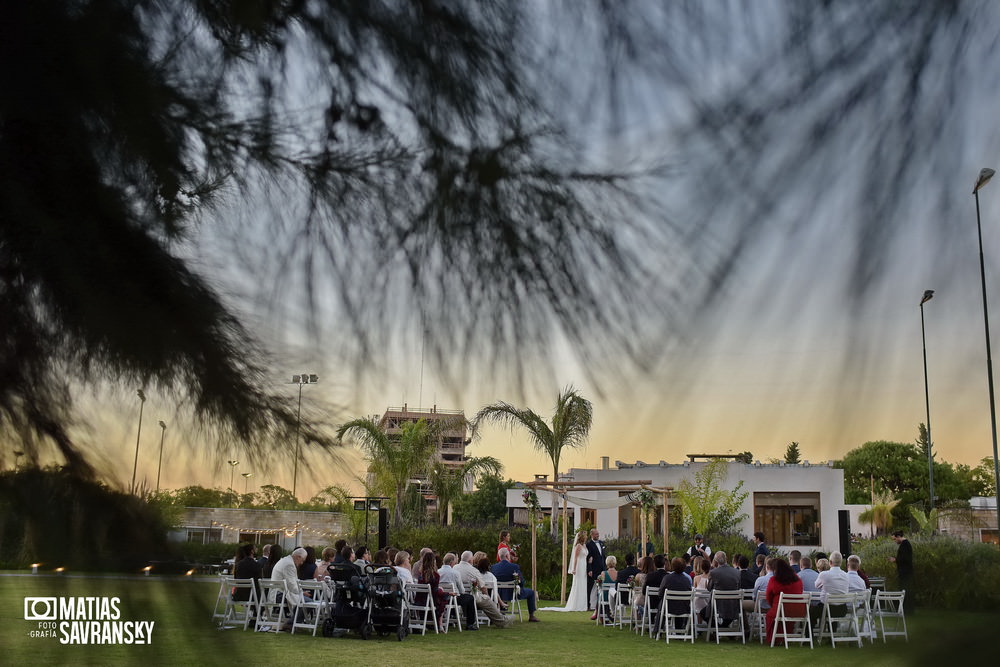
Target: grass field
pixel 184 635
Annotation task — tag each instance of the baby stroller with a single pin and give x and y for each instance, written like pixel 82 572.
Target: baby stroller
pixel 387 609
pixel 350 610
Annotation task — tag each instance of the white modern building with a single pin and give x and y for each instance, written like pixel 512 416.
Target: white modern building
pixel 795 506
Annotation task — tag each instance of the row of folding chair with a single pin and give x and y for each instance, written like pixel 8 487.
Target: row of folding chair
pixel 269 610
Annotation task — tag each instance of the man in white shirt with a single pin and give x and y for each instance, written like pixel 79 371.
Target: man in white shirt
pixel 833 581
pixel 472 581
pixel 449 575
pixel 855 584
pixel 287 570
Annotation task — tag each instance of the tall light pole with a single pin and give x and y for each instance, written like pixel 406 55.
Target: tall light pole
pixel 303 379
pixel 928 295
pixel 232 473
pixel 135 464
pixel 17 460
pixel 163 431
pixel 985 174
pixel 246 478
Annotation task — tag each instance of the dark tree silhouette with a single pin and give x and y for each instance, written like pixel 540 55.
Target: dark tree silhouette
pixel 429 163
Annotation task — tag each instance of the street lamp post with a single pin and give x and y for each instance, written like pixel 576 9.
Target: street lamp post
pixel 135 464
pixel 232 474
pixel 303 379
pixel 985 175
pixel 17 459
pixel 928 295
pixel 159 465
pixel 246 478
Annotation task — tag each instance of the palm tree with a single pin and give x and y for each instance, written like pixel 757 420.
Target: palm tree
pixel 879 515
pixel 394 460
pixel 570 427
pixel 449 482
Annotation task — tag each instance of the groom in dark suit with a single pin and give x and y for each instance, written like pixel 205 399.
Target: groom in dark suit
pixel 595 562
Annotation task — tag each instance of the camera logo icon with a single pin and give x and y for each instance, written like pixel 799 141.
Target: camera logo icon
pixel 40 609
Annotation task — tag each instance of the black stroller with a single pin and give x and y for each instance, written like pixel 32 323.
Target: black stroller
pixel 387 607
pixel 350 609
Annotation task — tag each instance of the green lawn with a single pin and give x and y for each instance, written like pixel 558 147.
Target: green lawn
pixel 184 635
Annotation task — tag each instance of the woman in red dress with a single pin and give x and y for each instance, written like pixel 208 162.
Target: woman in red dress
pixel 505 544
pixel 784 580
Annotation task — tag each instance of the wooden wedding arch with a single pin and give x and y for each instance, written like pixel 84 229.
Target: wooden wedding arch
pixel 563 488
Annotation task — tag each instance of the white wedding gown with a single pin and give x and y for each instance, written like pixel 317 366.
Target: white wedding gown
pixel 577 600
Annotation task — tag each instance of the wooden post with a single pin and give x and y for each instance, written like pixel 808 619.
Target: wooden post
pixel 642 532
pixel 666 524
pixel 562 594
pixel 534 559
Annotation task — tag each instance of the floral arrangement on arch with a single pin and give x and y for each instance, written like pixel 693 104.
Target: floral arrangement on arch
pixel 645 499
pixel 530 499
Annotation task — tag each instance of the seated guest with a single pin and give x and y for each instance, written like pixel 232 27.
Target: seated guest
pixel 338 547
pixel 391 554
pixel 308 568
pixel 724 577
pixel 287 570
pixel 861 573
pixel 757 568
pixel 508 571
pixel 675 580
pixel 362 556
pixel 855 584
pixel 808 576
pixel 473 581
pixel 626 575
pixel 429 575
pixel 822 565
pixel 265 553
pixel 403 567
pixel 326 560
pixel 272 559
pixel 609 576
pixel 656 576
pixel 794 556
pixel 702 566
pixel 747 578
pixel 639 584
pixel 784 580
pixel 760 587
pixel 381 558
pixel 246 567
pixel 833 581
pixel 449 575
pixel 415 570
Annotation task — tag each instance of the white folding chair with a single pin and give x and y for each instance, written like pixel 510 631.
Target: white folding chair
pixel 605 602
pixel 310 611
pixel 513 604
pixel 791 621
pixel 877 583
pixel 271 606
pixel 677 624
pixel 702 624
pixel 651 613
pixel 421 604
pixel 865 615
pixel 223 603
pixel 623 606
pixel 244 601
pixel 757 619
pixel 730 600
pixel 889 606
pixel 452 612
pixel 843 628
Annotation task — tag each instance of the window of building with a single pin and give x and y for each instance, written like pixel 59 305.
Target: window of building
pixel 787 518
pixel 989 536
pixel 258 538
pixel 204 535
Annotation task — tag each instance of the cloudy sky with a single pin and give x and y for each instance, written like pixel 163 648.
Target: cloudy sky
pixel 796 230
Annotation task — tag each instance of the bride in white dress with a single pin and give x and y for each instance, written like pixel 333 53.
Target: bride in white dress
pixel 577 600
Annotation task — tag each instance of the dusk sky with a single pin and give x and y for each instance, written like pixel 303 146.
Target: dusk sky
pixel 794 276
